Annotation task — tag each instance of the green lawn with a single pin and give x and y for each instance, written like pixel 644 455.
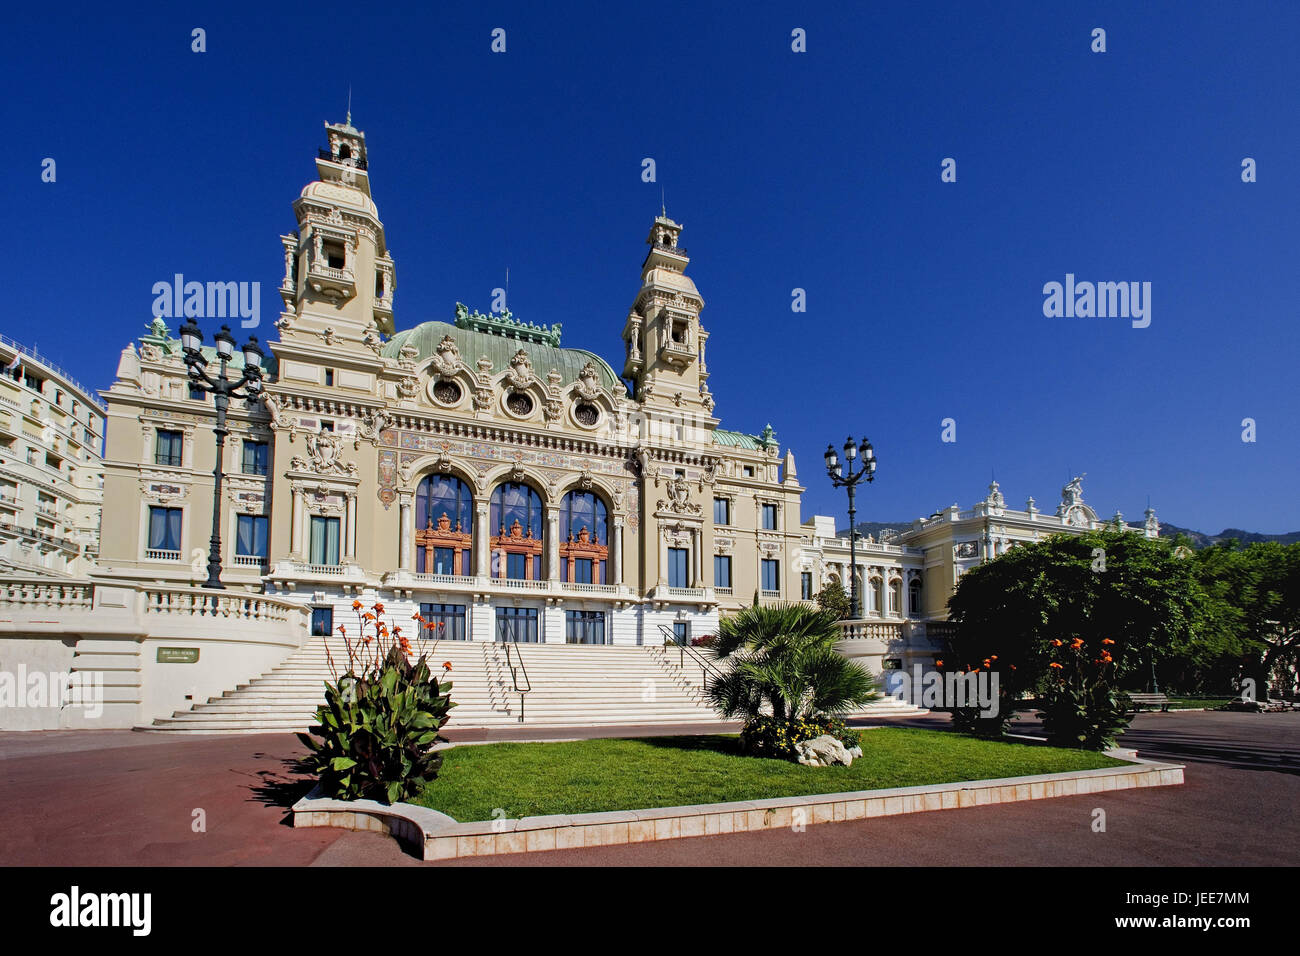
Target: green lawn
pixel 589 776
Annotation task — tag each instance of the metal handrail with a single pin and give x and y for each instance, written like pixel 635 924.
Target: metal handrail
pixel 516 669
pixel 706 668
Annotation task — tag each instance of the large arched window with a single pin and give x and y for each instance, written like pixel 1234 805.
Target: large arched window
pixel 517 528
pixel 444 521
pixel 584 551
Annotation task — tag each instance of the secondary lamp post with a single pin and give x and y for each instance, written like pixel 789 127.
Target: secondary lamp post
pixel 223 389
pixel 866 471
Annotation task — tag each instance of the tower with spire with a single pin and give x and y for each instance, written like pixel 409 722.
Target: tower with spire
pixel 663 339
pixel 339 277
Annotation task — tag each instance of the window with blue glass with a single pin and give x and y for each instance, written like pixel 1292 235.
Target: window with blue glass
pixel 250 536
pixel 584 627
pixel 443 622
pixel 255 458
pixel 722 570
pixel 771 574
pixel 324 548
pixel 167 449
pixel 682 632
pixel 679 568
pixel 805 585
pixel 517 524
pixel 164 529
pixel 444 521
pixel 769 517
pixel 722 511
pixel 584 542
pixel 517 624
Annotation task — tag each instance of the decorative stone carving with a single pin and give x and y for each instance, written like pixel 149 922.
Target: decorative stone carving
pixel 447 359
pixel 371 425
pixel 520 373
pixel 327 336
pixel 484 365
pixel 588 384
pixel 324 456
pixel 678 500
pixel 372 339
pixel 408 387
pixel 406 357
pixel 553 409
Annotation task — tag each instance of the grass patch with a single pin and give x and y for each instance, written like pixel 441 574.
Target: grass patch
pixel 592 776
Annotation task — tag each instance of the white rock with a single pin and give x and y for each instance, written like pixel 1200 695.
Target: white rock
pixel 826 750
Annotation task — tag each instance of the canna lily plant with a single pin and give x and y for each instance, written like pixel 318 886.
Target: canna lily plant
pixel 374 736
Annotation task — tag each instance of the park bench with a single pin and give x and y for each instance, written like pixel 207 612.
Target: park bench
pixel 1149 700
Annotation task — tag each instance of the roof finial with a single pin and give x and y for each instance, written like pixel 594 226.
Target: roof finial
pixel 349 121
pixel 663 203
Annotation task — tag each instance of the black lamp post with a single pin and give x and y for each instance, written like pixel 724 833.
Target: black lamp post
pixel 249 386
pixel 839 479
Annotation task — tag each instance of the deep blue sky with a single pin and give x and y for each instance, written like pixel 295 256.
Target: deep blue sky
pixel 817 170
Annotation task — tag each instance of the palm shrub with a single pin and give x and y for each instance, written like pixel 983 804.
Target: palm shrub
pixel 381 717
pixel 783 677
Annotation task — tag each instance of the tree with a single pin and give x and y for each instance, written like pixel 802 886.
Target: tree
pixel 1100 586
pixel 834 600
pixel 783 662
pixel 1257 609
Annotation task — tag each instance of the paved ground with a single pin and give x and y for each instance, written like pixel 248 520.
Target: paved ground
pixel 124 798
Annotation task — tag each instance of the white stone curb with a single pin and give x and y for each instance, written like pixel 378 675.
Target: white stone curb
pixel 436 836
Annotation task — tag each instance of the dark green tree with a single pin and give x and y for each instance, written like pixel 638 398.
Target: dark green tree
pixel 835 600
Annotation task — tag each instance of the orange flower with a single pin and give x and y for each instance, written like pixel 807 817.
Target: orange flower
pixel 993 657
pixel 342 629
pixel 1057 643
pixel 1013 666
pixel 1054 664
pixel 379 608
pixel 446 665
pixel 1076 643
pixel 938 663
pixel 397 629
pixel 367 616
pixel 368 640
pixel 356 605
pixel 1107 640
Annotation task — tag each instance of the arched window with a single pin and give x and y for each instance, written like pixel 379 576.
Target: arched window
pixel 584 551
pixel 872 597
pixel 895 593
pixel 517 525
pixel 914 596
pixel 444 522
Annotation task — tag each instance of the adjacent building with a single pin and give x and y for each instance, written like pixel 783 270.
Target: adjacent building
pixel 51 470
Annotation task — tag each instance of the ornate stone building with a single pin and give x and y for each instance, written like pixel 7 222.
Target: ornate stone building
pixel 472 467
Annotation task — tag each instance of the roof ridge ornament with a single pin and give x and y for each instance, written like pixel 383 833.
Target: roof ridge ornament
pixel 506 325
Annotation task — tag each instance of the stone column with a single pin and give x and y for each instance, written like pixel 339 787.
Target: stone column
pixel 295 522
pixel 404 530
pixel 614 571
pixel 697 574
pixel 351 554
pixel 663 557
pixel 553 543
pixel 482 540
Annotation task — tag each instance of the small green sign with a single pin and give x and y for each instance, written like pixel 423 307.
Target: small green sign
pixel 178 655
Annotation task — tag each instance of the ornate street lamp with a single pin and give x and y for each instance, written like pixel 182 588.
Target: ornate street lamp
pixel 867 470
pixel 249 386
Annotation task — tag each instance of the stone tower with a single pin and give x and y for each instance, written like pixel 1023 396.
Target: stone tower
pixel 339 278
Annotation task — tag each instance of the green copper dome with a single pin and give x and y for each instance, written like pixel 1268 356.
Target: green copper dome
pixel 498 339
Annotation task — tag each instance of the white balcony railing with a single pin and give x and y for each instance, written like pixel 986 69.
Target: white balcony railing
pixel 249 561
pixel 724 592
pixel 161 554
pixel 686 592
pixel 521 584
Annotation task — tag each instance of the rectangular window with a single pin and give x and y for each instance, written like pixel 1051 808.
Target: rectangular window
pixel 722 570
pixel 584 627
pixel 679 568
pixel 771 574
pixel 167 449
pixel 516 566
pixel 769 517
pixel 329 376
pixel 198 393
pixel 805 585
pixel 324 540
pixel 326 425
pixel 682 632
pixel 722 511
pixel 444 561
pixel 255 457
pixel 748 471
pixel 582 570
pixel 518 624
pixel 165 529
pixel 322 621
pixel 250 536
pixel 446 621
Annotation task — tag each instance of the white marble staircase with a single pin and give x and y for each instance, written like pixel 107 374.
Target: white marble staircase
pixel 572 686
